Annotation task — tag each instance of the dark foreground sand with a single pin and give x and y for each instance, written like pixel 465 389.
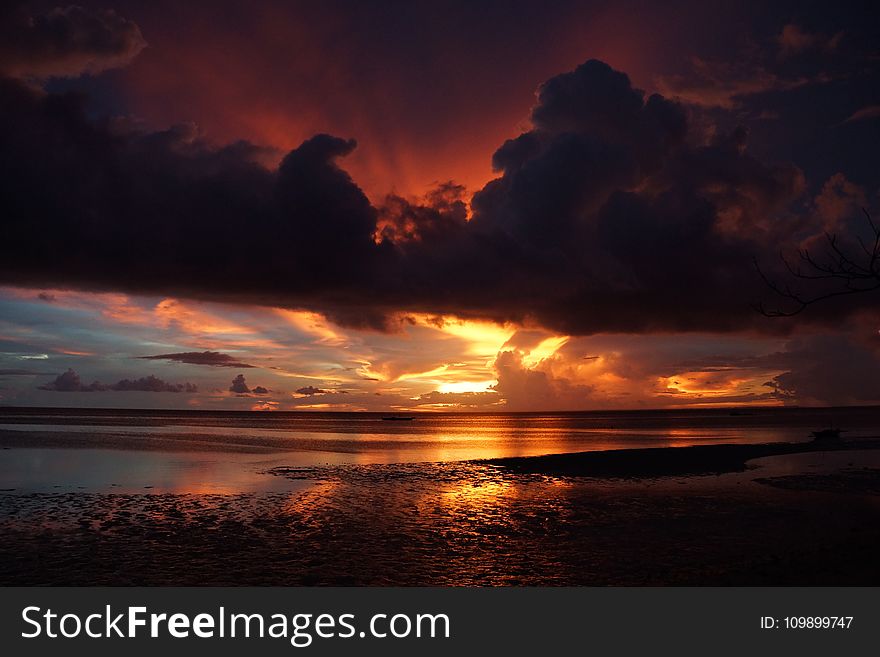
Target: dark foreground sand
pixel 791 517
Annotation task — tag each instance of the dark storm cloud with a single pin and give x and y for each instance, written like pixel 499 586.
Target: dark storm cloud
pixel 610 214
pixel 794 85
pixel 211 358
pixel 794 59
pixel 311 390
pixel 164 212
pixel 151 384
pixel 607 217
pixel 239 386
pixel 65 41
pixel 829 369
pixel 70 381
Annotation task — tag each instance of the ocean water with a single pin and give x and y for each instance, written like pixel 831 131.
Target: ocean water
pixel 174 498
pixel 226 452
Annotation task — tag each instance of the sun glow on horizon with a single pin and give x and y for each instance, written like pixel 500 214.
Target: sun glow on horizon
pixel 467 386
pixel 429 362
pixel 714 384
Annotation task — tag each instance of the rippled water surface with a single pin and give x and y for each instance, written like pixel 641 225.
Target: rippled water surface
pixel 121 498
pixel 52 450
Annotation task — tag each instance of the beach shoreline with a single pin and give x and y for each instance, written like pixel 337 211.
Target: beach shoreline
pixel 192 508
pixel 802 518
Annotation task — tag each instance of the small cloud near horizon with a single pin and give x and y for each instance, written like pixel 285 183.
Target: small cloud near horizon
pixel 309 391
pixel 210 358
pixel 70 381
pixel 240 387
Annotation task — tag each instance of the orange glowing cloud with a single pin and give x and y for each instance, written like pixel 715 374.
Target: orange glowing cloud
pixel 715 384
pixel 313 324
pixel 431 363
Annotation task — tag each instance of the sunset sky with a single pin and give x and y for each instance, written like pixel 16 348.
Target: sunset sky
pixel 482 206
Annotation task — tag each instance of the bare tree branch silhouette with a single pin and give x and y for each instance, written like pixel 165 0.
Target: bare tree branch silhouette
pixel 847 273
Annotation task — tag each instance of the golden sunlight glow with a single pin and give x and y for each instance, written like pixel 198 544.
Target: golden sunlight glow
pixel 545 349
pixel 312 324
pixel 715 383
pixel 460 359
pixel 119 308
pixel 430 374
pixel 467 386
pixel 701 383
pixel 194 320
pixel 484 338
pixel 399 370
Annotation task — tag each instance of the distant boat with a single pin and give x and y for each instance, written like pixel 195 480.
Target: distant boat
pixel 826 435
pixel 399 418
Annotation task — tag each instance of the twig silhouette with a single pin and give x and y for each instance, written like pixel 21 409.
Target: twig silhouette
pixel 853 274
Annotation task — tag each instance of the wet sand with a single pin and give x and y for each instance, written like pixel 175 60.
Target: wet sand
pixel 799 518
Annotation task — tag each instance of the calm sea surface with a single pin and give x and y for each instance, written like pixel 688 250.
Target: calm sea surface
pixel 187 451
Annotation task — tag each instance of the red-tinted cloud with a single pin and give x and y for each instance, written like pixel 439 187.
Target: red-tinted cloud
pixel 609 211
pixel 606 216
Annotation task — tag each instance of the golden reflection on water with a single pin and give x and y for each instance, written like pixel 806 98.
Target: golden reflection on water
pixel 476 496
pixel 308 500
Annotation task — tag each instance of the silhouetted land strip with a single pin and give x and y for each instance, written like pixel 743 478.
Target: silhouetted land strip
pixel 666 461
